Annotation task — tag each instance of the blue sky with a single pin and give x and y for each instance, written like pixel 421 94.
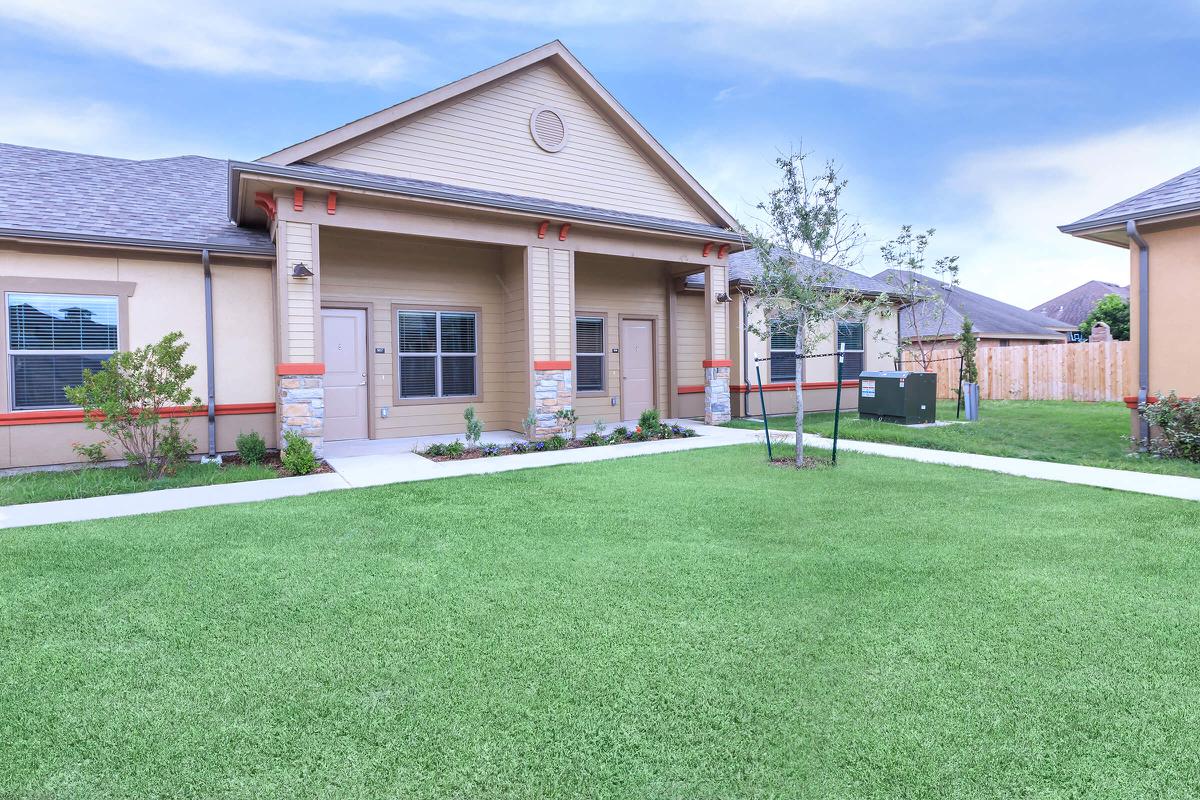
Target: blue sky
pixel 992 122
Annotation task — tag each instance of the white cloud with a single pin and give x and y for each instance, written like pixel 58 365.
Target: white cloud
pixel 86 126
pixel 1011 248
pixel 214 37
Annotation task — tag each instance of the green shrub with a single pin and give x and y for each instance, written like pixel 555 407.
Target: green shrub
pixel 92 453
pixel 556 442
pixel 650 420
pixel 435 450
pixel 251 447
pixel 569 418
pixel 619 434
pixel 529 424
pixel 298 457
pixel 456 449
pixel 1178 426
pixel 474 427
pixel 126 399
pixel 595 439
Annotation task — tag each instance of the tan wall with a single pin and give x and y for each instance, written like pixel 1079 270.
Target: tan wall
pixel 168 295
pixel 1174 292
pixel 381 270
pixel 515 356
pixel 483 141
pixel 298 248
pixel 616 286
pixel 690 344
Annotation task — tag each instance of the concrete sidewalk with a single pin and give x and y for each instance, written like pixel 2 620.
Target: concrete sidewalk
pixel 361 464
pixel 1122 480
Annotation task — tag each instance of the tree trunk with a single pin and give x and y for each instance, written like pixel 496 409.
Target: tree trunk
pixel 799 395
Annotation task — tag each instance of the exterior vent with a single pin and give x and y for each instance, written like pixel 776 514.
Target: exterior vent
pixel 548 129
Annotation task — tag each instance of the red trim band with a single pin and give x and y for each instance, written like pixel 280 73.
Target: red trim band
pixel 68 415
pixel 1131 401
pixel 552 365
pixel 717 362
pixel 299 369
pixel 773 387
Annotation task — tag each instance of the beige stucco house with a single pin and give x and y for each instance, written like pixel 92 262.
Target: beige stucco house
pixel 1161 229
pixel 512 241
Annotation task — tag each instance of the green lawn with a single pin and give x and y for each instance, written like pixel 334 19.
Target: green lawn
pixel 693 625
pixel 71 484
pixel 1093 434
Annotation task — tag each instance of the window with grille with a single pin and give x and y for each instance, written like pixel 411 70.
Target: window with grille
pixel 437 352
pixel 589 354
pixel 783 355
pixel 850 334
pixel 52 339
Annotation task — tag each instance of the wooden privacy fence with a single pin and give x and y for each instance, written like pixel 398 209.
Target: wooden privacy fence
pixel 1087 371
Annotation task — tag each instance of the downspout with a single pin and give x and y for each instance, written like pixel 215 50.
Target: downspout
pixel 1131 230
pixel 211 358
pixel 745 356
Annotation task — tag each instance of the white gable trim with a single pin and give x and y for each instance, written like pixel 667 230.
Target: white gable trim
pixel 554 52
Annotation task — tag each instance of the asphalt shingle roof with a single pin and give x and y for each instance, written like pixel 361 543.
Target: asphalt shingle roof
pixel 1074 306
pixel 177 202
pixel 1181 193
pixel 479 197
pixel 990 316
pixel 744 266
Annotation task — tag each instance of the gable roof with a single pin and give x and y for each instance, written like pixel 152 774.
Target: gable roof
pixel 1179 195
pixel 166 203
pixel 1074 306
pixel 744 266
pixel 553 52
pixel 990 316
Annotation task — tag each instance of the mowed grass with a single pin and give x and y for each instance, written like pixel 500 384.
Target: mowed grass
pixel 693 625
pixel 1093 434
pixel 71 484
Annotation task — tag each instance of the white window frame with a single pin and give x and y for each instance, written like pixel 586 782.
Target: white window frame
pixel 862 336
pixel 602 354
pixel 772 350
pixel 10 353
pixel 436 355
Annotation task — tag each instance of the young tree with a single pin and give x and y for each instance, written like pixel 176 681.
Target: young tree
pixel 809 238
pixel 128 397
pixel 968 345
pixel 1112 309
pixel 909 279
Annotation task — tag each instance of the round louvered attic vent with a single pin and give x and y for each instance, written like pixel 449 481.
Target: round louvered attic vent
pixel 548 129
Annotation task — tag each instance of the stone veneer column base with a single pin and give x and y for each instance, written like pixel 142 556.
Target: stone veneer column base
pixel 716 395
pixel 551 392
pixel 302 408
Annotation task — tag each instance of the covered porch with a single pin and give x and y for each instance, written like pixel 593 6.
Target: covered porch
pixel 408 317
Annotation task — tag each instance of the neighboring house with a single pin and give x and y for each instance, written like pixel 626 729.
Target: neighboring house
pixel 1161 229
pixel 997 324
pixel 1073 307
pixel 514 240
pixel 870 345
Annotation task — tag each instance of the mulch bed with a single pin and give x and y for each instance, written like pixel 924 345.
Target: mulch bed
pixel 272 461
pixel 572 444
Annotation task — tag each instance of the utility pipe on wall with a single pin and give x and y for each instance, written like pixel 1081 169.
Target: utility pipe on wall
pixel 1143 323
pixel 211 358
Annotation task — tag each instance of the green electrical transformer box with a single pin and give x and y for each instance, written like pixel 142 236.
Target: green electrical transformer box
pixel 907 398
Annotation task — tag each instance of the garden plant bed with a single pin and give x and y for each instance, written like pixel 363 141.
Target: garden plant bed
pixel 98 481
pixel 457 451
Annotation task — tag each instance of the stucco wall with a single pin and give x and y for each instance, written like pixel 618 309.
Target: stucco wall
pixel 1174 292
pixel 168 295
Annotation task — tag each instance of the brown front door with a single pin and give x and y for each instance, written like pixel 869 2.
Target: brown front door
pixel 345 331
pixel 637 367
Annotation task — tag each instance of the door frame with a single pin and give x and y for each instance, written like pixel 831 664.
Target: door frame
pixel 368 308
pixel 621 319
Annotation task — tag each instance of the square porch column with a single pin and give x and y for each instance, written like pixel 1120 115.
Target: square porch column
pixel 717 364
pixel 300 371
pixel 550 278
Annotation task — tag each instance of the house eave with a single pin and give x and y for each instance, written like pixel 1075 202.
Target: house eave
pixel 529 207
pixel 161 245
